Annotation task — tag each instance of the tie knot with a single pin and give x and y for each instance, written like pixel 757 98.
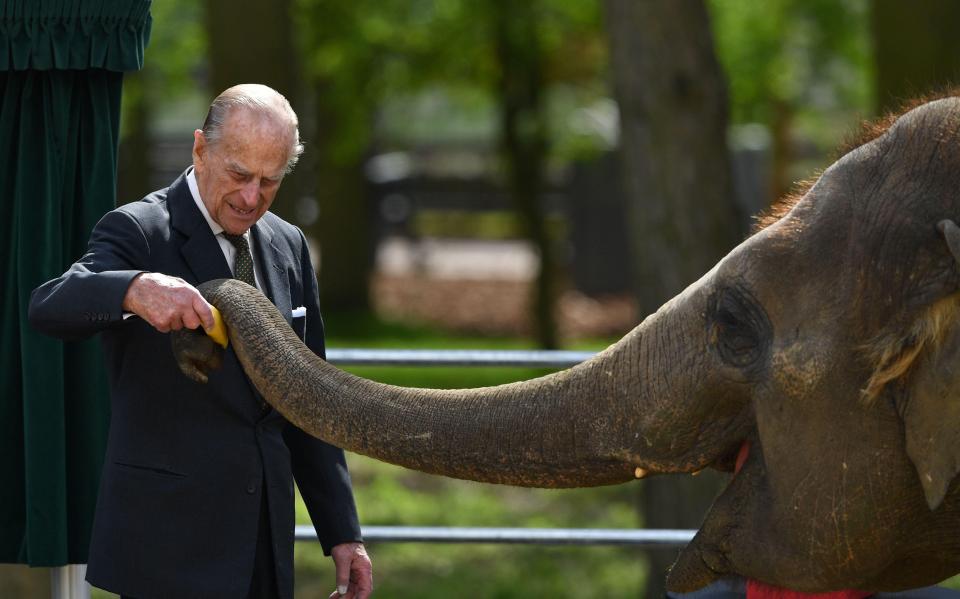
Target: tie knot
pixel 238 241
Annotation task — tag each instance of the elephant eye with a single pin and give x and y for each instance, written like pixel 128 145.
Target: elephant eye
pixel 739 330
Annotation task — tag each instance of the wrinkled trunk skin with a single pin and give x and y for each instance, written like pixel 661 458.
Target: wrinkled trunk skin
pixel 636 409
pixel 581 427
pixel 524 139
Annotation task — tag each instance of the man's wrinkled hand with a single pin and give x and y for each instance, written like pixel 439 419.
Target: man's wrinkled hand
pixel 167 303
pixel 354 571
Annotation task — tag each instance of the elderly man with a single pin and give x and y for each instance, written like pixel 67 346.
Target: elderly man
pixel 196 497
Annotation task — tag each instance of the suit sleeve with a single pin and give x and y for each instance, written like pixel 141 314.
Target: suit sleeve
pixel 319 468
pixel 87 298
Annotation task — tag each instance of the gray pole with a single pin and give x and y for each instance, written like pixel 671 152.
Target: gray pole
pixel 68 582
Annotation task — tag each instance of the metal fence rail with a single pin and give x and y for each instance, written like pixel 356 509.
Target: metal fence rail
pixel 456 357
pixel 67 582
pixel 659 538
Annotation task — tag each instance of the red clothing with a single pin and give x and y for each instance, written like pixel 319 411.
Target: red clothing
pixel 758 590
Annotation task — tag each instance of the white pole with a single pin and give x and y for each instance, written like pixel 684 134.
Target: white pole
pixel 67 582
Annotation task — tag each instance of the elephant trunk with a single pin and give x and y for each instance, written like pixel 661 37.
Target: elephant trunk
pixel 574 428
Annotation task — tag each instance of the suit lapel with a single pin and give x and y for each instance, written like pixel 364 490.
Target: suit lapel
pixel 200 250
pixel 205 259
pixel 273 263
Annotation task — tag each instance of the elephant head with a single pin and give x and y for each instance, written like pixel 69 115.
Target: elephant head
pixel 824 351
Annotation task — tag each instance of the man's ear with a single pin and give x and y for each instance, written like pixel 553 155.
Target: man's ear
pixel 199 146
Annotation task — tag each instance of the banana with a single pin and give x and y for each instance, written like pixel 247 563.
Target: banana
pixel 218 332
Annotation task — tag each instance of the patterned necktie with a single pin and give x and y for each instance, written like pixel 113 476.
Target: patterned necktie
pixel 243 271
pixel 243 267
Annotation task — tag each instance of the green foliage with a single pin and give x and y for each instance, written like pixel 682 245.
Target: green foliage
pixel 377 62
pixel 814 53
pixel 178 44
pixel 173 62
pixel 813 56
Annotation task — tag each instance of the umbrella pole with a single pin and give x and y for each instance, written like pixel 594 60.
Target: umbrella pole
pixel 67 582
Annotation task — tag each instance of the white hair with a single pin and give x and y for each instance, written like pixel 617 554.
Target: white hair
pixel 260 99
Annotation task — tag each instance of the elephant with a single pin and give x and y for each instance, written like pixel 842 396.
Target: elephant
pixel 818 361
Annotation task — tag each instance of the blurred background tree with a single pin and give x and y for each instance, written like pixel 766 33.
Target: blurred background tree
pixel 916 49
pixel 524 140
pixel 679 190
pixel 344 51
pixel 247 42
pixel 363 58
pixel 801 69
pixel 153 97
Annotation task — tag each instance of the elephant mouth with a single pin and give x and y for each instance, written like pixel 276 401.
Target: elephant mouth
pixel 733 458
pixel 707 557
pixel 742 453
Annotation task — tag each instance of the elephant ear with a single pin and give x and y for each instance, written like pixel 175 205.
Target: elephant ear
pixel 932 413
pixel 932 419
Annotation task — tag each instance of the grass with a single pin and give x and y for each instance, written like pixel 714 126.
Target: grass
pixel 389 495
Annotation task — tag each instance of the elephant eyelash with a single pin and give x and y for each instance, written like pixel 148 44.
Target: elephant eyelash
pixel 893 355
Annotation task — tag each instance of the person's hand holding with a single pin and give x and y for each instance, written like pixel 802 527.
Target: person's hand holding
pixel 354 571
pixel 167 303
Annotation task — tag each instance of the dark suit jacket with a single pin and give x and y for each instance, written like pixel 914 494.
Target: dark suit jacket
pixel 186 464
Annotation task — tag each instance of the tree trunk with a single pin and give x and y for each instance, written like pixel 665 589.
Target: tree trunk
pixel 524 134
pixel 916 48
pixel 680 203
pixel 344 223
pixel 781 150
pixel 673 111
pixel 255 42
pixel 250 41
pixel 134 167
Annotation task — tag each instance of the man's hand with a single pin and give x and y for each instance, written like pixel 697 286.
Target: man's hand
pixel 167 303
pixel 354 571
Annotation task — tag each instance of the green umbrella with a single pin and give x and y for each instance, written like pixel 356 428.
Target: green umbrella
pixel 61 71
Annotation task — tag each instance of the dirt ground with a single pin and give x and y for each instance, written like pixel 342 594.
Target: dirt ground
pixel 495 307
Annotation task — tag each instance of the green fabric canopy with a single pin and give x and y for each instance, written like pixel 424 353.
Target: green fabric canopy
pixel 73 34
pixel 61 64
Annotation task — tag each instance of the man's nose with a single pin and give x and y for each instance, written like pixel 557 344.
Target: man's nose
pixel 250 192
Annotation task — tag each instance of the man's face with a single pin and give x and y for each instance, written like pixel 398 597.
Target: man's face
pixel 239 176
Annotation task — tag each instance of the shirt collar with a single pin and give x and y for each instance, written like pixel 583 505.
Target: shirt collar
pixel 195 192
